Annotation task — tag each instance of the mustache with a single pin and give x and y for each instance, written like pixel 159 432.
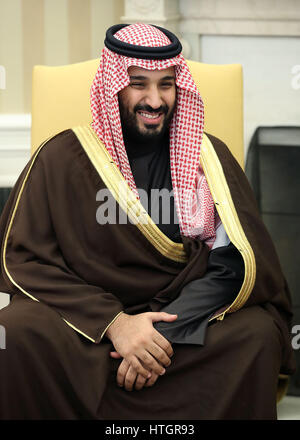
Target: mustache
pixel 162 109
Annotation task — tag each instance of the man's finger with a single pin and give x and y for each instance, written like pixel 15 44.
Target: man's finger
pixel 163 343
pixel 159 354
pixel 122 371
pixel 140 382
pixel 136 364
pixel 130 377
pixel 150 382
pixel 162 316
pixel 115 355
pixel 150 362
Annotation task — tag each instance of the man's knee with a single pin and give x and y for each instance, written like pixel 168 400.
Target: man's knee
pixel 260 329
pixel 20 320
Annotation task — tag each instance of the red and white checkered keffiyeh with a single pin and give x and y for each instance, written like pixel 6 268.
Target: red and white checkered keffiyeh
pixel 195 207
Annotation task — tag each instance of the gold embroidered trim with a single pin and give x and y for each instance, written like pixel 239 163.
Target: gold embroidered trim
pixel 107 327
pixel 7 235
pixel 115 182
pixel 224 204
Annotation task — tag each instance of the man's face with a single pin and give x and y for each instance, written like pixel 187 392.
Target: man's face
pixel 147 104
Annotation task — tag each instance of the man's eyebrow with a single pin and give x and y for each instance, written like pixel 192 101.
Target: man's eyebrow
pixel 167 78
pixel 143 78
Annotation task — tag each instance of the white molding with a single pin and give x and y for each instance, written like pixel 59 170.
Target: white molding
pixel 143 8
pixel 155 19
pixel 15 121
pixel 222 26
pixel 14 146
pixel 8 180
pixel 240 17
pixel 163 13
pixel 4 299
pixel 241 9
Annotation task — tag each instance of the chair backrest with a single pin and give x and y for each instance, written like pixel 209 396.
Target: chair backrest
pixel 60 100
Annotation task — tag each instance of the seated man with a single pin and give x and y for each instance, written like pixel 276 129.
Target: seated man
pixel 117 316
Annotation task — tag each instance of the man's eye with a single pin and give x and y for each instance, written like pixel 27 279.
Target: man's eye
pixel 137 84
pixel 167 85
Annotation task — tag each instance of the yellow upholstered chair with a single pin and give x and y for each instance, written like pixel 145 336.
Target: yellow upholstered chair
pixel 61 100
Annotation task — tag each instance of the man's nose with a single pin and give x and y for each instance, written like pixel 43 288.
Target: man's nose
pixel 153 98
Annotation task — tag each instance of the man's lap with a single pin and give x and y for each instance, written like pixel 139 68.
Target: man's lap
pixel 234 375
pixel 47 360
pixel 241 358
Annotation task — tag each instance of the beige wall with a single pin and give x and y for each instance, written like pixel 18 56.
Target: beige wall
pixel 51 32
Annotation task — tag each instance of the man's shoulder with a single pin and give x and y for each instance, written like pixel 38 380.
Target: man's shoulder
pixel 60 151
pixel 59 159
pixel 217 142
pixel 57 143
pixel 222 150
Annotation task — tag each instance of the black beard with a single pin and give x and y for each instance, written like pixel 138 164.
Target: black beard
pixel 131 132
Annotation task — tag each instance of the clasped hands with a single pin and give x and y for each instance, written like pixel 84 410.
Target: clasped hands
pixel 144 350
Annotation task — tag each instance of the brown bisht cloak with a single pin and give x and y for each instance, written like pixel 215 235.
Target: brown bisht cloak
pixel 70 277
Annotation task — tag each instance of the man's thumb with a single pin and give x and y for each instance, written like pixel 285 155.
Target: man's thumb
pixel 163 316
pixel 115 355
